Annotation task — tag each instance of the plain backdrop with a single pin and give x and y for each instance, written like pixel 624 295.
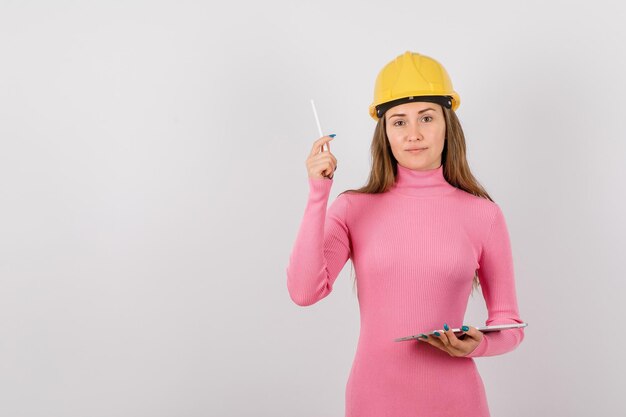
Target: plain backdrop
pixel 153 179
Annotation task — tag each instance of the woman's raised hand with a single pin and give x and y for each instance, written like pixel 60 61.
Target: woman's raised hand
pixel 320 163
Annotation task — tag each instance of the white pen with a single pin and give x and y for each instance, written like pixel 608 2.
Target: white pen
pixel 319 127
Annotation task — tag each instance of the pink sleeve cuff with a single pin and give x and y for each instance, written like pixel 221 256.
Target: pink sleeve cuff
pixel 480 349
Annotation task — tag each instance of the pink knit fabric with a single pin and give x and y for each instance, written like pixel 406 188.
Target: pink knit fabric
pixel 415 249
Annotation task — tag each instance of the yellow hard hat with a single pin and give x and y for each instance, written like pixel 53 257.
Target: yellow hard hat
pixel 412 77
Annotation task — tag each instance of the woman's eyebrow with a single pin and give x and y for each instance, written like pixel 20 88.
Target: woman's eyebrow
pixel 402 114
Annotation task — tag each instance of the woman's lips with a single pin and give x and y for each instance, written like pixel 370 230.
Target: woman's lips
pixel 416 150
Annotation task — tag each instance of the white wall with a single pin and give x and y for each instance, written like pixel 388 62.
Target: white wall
pixel 152 180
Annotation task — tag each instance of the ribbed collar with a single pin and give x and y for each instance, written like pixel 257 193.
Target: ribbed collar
pixel 421 183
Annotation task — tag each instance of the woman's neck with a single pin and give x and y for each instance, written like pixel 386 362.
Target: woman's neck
pixel 421 183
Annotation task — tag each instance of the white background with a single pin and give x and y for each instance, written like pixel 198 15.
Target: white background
pixel 152 182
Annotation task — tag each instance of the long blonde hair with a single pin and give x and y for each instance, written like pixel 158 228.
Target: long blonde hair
pixel 453 158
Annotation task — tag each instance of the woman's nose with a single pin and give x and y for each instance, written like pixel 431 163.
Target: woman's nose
pixel 415 132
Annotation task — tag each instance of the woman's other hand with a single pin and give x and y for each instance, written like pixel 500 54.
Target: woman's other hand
pixel 320 163
pixel 449 343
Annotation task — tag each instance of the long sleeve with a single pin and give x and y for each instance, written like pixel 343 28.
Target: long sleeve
pixel 496 274
pixel 322 245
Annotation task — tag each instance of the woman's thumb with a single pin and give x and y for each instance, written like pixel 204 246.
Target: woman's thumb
pixel 327 143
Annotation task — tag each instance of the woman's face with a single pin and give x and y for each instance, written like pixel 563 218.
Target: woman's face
pixel 419 124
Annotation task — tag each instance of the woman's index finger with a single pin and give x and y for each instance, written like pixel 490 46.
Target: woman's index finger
pixel 318 145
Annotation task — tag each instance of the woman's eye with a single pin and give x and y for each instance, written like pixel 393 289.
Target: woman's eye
pixel 425 118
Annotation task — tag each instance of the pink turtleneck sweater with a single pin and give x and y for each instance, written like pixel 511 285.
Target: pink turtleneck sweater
pixel 415 249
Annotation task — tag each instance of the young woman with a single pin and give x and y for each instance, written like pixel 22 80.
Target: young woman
pixel 421 234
